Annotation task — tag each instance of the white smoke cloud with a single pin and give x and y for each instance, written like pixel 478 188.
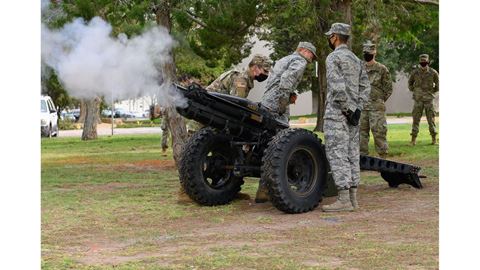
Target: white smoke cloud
pixel 90 62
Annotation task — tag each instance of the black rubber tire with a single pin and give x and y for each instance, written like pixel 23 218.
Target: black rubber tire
pixel 276 170
pixel 192 164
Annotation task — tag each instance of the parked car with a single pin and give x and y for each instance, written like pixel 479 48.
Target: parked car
pixel 146 114
pixel 76 114
pixel 138 114
pixel 48 117
pixel 121 113
pixel 67 116
pixel 107 113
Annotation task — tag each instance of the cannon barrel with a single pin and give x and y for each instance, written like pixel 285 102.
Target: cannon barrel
pixel 236 116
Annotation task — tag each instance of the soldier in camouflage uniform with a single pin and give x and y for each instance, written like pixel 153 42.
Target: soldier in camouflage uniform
pixel 423 82
pixel 239 83
pixel 348 89
pixel 281 86
pixel 373 115
pixel 284 79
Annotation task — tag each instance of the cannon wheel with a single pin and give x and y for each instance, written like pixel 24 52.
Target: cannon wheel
pixel 295 170
pixel 206 168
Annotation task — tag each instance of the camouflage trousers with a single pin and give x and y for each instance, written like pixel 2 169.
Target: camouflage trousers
pixel 343 152
pixel 375 121
pixel 165 133
pixel 285 117
pixel 418 108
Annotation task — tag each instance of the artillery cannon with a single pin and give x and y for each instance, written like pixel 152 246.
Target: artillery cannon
pixel 243 139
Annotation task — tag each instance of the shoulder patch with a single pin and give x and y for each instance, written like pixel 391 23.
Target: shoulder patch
pixel 240 84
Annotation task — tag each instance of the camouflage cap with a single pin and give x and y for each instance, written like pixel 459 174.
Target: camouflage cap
pixel 339 28
pixel 424 57
pixel 369 47
pixel 261 61
pixel 309 46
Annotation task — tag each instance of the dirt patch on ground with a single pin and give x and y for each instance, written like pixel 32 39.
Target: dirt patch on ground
pixel 146 165
pixel 394 220
pixel 391 217
pixel 159 164
pixel 75 160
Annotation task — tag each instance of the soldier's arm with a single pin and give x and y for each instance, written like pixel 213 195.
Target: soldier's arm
pixel 363 88
pixel 336 83
pixel 435 80
pixel 292 75
pixel 240 87
pixel 288 81
pixel 411 81
pixel 387 84
pixel 212 86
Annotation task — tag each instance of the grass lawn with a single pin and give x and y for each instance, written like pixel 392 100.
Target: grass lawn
pixel 113 203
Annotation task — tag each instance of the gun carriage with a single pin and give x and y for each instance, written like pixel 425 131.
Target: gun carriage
pixel 241 139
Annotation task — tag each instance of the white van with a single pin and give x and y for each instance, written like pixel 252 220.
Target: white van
pixel 48 117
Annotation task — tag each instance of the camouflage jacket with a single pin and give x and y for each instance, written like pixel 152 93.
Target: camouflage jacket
pixel 381 86
pixel 348 86
pixel 423 84
pixel 232 82
pixel 282 81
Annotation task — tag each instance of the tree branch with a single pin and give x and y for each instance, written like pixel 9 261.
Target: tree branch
pixel 195 18
pixel 431 2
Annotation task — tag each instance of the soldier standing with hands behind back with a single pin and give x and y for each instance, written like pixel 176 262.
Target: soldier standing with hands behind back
pixel 373 114
pixel 348 89
pixel 423 82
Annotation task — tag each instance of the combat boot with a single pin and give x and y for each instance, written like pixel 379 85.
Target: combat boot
pixel 413 141
pixel 383 155
pixel 342 203
pixel 353 197
pixel 262 194
pixel 434 139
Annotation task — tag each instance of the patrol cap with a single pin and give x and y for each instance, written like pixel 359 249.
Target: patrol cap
pixel 424 57
pixel 261 61
pixel 339 28
pixel 309 46
pixel 369 47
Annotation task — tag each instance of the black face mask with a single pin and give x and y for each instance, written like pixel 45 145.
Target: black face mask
pixel 423 64
pixel 262 77
pixel 368 57
pixel 331 45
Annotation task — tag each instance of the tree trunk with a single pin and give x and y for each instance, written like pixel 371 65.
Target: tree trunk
pixel 92 107
pixel 322 92
pixel 176 123
pixel 372 30
pixel 346 8
pixel 83 110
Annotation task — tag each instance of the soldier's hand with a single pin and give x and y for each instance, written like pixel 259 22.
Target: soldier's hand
pixel 353 118
pixel 293 98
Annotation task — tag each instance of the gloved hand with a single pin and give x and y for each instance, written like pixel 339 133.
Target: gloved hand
pixel 353 118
